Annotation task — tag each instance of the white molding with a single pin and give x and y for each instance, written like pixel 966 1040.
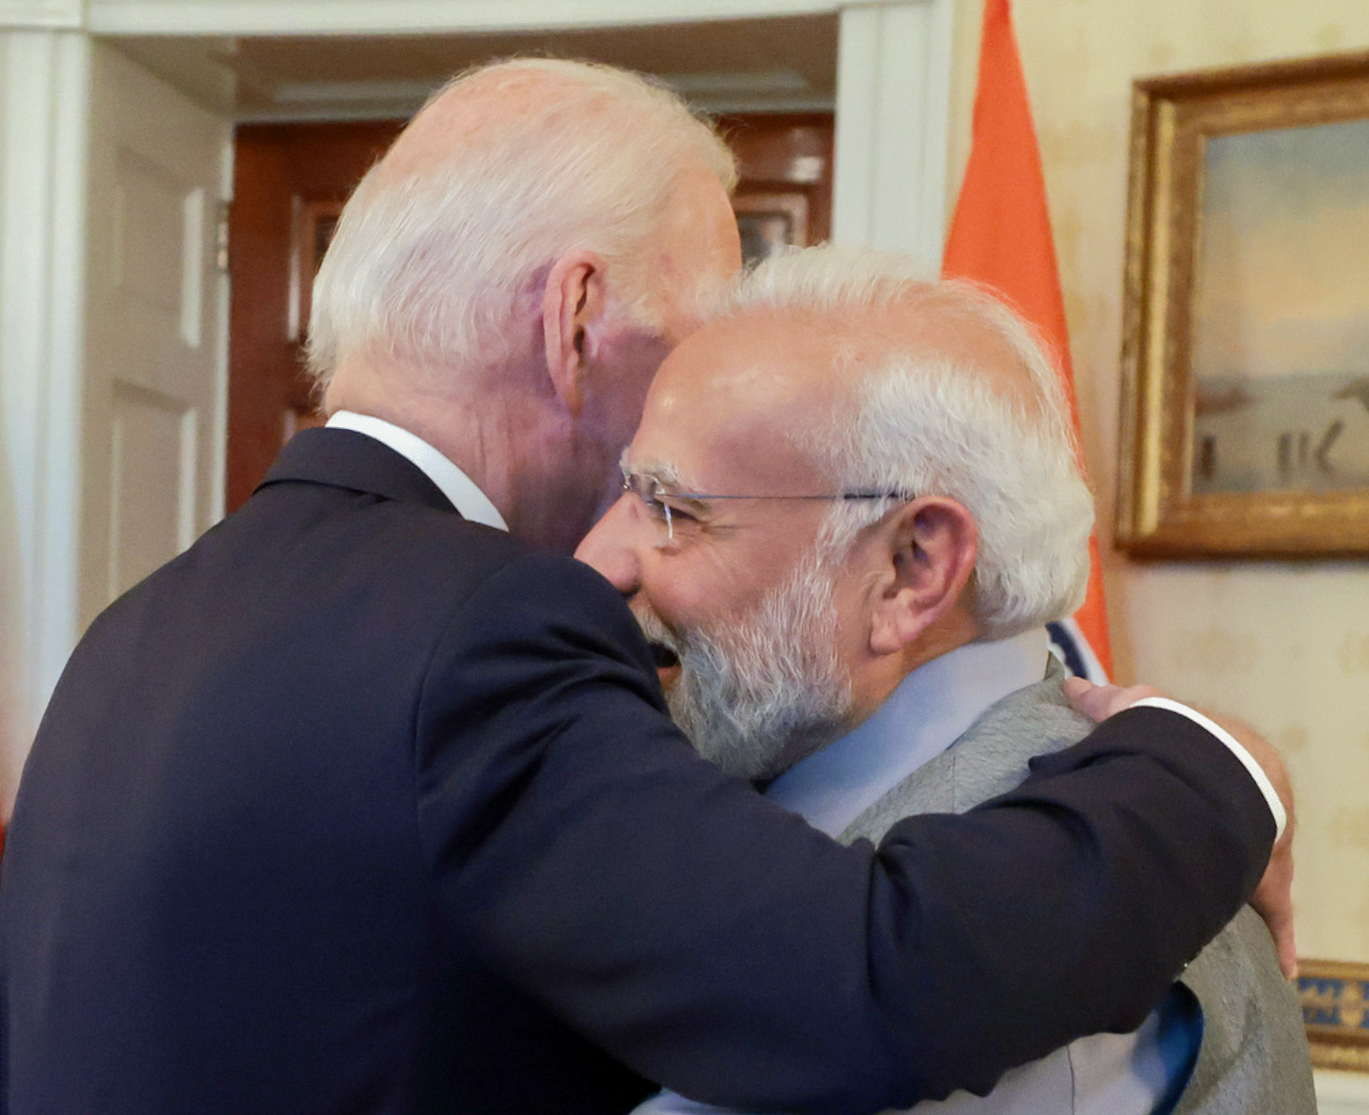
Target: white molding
pixel 42 266
pixel 1342 1093
pixel 41 13
pixel 893 121
pixel 218 430
pixel 356 17
pixel 402 110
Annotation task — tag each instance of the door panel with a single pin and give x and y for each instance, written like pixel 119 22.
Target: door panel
pixel 155 445
pixel 153 340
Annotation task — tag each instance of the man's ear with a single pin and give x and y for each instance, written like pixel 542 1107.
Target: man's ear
pixel 928 554
pixel 572 305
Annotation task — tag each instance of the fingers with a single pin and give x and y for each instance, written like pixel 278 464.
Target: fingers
pixel 1273 901
pixel 1287 946
pixel 1273 898
pixel 1098 702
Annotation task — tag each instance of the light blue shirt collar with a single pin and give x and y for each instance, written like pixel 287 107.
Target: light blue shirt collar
pixel 931 708
pixel 459 488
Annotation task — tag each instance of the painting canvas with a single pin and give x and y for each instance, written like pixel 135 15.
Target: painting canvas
pixel 1280 356
pixel 1246 336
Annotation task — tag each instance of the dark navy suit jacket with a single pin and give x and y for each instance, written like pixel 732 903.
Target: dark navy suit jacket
pixel 357 807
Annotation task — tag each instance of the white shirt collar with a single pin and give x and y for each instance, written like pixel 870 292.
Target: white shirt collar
pixel 459 488
pixel 931 708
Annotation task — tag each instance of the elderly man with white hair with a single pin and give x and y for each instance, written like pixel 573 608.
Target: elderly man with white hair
pixel 886 655
pixel 369 801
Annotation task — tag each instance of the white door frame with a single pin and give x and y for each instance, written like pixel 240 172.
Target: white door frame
pixel 44 107
pixel 890 186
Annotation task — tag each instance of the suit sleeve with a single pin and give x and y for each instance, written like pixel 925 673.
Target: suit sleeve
pixel 719 945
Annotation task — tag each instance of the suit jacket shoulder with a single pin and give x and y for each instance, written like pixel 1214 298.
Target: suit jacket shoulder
pixel 1253 1056
pixel 991 758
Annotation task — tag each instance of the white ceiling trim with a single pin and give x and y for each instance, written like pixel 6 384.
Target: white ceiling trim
pixel 357 17
pixel 401 108
pixel 41 13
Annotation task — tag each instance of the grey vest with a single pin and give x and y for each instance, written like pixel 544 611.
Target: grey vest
pixel 1253 1059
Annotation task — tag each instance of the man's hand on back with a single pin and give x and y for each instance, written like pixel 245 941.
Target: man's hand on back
pixel 1273 898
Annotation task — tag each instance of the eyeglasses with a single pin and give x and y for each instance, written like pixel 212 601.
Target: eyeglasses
pixel 666 507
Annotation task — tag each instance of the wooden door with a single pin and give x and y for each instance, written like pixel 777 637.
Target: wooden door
pixel 290 181
pixel 289 184
pixel 151 412
pixel 785 192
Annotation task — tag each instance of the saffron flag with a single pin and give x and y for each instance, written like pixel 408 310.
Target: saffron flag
pixel 1001 237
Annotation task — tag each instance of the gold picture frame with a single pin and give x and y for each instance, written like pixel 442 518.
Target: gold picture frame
pixel 1335 1008
pixel 1245 417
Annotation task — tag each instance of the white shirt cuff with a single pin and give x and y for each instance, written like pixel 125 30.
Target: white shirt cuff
pixel 1256 771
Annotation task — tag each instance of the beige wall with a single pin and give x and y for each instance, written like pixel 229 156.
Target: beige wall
pixel 1285 646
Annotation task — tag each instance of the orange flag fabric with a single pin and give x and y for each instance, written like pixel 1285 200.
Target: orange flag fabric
pixel 1001 237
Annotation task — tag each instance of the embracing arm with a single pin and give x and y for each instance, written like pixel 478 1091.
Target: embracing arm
pixel 718 944
pixel 1273 898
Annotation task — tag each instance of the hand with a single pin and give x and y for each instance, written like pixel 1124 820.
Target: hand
pixel 1098 702
pixel 1273 898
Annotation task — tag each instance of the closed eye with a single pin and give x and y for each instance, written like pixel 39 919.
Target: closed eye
pixel 678 510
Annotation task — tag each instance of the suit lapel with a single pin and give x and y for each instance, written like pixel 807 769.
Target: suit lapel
pixel 357 462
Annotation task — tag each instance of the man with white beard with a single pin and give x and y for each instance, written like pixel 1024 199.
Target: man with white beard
pixel 851 507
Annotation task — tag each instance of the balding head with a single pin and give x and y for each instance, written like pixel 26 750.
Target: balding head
pixel 941 389
pixel 443 246
pixel 506 280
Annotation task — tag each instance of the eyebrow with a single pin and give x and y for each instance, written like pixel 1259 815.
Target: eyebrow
pixel 667 476
pixel 663 472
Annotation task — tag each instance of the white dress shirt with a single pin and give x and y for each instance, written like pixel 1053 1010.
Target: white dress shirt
pixel 459 488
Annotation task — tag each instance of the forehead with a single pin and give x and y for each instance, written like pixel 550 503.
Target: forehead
pixel 732 405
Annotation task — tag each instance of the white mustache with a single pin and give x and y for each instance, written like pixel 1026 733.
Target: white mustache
pixel 654 630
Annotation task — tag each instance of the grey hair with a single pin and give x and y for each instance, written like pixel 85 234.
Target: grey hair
pixel 925 422
pixel 438 266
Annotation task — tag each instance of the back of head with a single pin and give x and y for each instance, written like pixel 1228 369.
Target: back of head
pixel 441 251
pixel 957 398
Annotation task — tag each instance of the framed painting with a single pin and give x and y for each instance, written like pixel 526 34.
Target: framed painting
pixel 769 222
pixel 1245 406
pixel 1335 1008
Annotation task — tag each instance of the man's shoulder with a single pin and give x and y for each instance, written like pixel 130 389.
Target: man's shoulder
pixel 993 754
pixel 309 563
pixel 989 758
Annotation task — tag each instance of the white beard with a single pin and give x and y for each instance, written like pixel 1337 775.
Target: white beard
pixel 766 689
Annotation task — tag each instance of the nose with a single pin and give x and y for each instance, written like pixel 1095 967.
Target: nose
pixel 611 546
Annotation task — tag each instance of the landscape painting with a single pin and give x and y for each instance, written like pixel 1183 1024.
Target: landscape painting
pixel 1245 353
pixel 1280 357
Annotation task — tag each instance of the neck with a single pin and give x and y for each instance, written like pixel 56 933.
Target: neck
pixel 515 443
pixel 880 676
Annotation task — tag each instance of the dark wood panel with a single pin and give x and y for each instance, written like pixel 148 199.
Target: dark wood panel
pixel 785 191
pixel 290 181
